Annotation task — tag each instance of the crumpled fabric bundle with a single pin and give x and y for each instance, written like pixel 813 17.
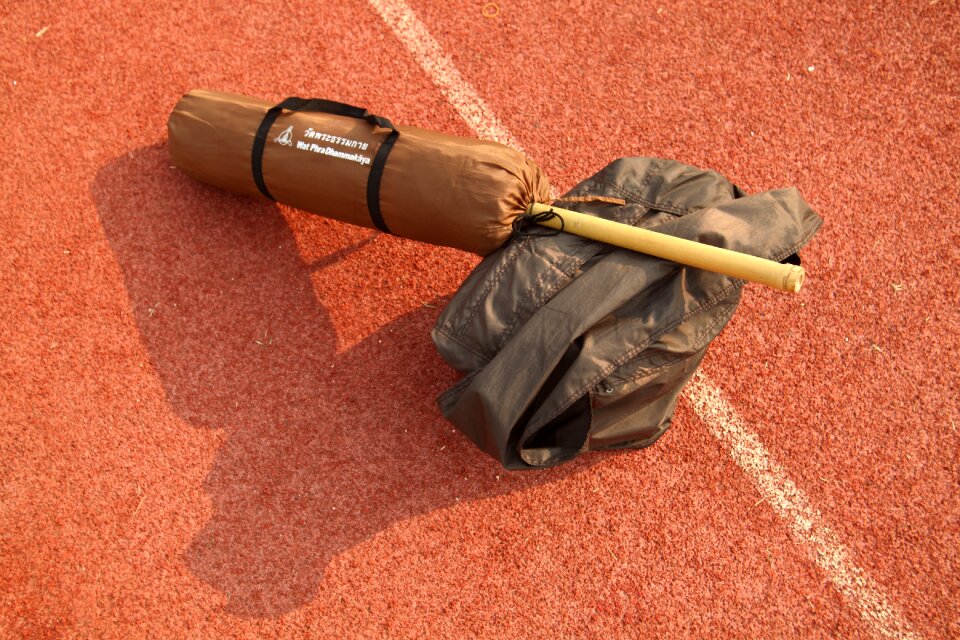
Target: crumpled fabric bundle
pixel 570 345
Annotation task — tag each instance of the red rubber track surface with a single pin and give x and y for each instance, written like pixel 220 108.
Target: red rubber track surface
pixel 217 414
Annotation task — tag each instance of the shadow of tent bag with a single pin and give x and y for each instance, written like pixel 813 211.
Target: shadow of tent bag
pixel 569 345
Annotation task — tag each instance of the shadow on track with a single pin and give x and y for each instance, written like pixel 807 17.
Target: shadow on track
pixel 322 450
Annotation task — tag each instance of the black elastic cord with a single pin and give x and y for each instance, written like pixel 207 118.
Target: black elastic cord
pixel 524 225
pixel 338 109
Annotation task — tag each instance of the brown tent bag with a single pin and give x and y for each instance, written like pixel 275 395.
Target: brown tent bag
pixel 342 162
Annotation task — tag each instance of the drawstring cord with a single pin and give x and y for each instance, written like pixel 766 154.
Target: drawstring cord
pixel 524 224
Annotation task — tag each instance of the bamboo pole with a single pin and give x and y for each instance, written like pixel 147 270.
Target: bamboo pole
pixel 786 277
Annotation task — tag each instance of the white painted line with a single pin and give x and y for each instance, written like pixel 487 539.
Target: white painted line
pixel 438 65
pixel 803 521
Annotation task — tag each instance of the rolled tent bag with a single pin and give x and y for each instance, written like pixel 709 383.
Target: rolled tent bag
pixel 341 162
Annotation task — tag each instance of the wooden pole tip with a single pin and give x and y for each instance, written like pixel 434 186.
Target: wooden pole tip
pixel 794 279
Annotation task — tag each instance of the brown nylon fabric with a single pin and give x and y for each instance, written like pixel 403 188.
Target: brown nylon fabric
pixel 436 188
pixel 569 345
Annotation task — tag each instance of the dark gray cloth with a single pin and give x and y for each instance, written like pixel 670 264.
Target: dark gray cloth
pixel 570 345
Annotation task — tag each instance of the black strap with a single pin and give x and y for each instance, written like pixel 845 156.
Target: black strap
pixel 337 109
pixel 373 180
